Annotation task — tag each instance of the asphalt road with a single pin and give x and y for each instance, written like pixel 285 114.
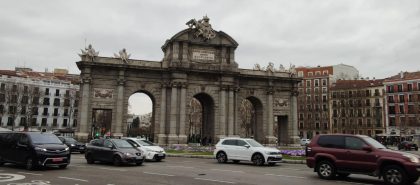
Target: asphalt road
pixel 173 170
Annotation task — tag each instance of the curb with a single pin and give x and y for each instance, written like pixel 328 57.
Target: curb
pixel 211 157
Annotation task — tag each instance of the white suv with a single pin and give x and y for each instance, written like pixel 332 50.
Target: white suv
pixel 245 149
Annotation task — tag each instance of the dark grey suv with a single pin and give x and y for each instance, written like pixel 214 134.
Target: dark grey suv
pixel 116 151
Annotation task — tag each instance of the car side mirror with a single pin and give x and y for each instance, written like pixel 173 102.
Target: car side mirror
pixel 367 148
pixel 246 146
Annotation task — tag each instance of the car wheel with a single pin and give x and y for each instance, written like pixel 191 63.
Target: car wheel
pixel 394 175
pixel 236 161
pixel 221 157
pixel 417 149
pixel 271 164
pixel 326 170
pixel 89 159
pixel 258 159
pixel 29 165
pixel 343 175
pixel 117 160
pixel 63 166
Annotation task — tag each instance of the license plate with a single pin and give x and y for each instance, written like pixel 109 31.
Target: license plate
pixel 57 159
pixel 160 154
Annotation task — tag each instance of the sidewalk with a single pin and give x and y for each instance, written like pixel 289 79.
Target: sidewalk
pixel 211 157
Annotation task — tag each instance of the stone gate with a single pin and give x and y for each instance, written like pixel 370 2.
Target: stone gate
pixel 198 62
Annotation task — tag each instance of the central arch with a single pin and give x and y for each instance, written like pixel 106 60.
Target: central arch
pixel 204 134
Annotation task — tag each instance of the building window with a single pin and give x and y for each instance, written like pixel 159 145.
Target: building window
pixel 368 112
pixel 391 110
pixel 65 123
pixel 409 87
pixel 56 102
pixel 22 121
pixel 310 73
pixel 300 73
pixel 47 91
pixel 45 113
pixel 308 98
pixel 34 110
pixel 389 88
pixel 54 124
pixel 57 92
pixel 391 99
pixel 55 112
pixel 2 98
pixel 46 101
pixel 33 122
pixel 10 121
pixel 325 72
pixel 3 87
pixel 324 82
pixel 324 90
pixel 308 91
pixel 400 88
pixel 401 98
pixel 367 102
pixel 308 83
pixel 401 109
pixel 14 88
pixel 367 93
pixel 75 123
pixel 12 110
pixel 44 122
pixel 316 90
pixel 317 73
pixel 316 81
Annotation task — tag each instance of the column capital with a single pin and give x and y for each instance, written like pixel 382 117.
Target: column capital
pixel 86 80
pixel 270 90
pixel 224 87
pixel 294 93
pixel 121 82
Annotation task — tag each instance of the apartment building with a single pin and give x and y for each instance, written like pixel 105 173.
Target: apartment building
pixel 357 107
pixel 403 104
pixel 32 100
pixel 313 106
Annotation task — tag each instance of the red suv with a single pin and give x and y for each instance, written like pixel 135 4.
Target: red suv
pixel 340 155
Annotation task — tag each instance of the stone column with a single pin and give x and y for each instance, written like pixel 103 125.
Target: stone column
pixel 175 51
pixel 172 137
pixel 222 113
pixel 117 130
pixel 182 138
pixel 270 139
pixel 84 120
pixel 162 123
pixel 293 132
pixel 231 113
pixel 185 52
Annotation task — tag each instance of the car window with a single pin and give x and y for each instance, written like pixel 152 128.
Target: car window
pixel 254 143
pixel 38 138
pixel 354 143
pixel 229 142
pixel 108 144
pixel 145 142
pixel 97 142
pixel 330 141
pixel 23 140
pixel 241 143
pixel 133 143
pixel 120 143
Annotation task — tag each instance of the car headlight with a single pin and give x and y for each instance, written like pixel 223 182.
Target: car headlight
pixel 72 145
pixel 40 149
pixel 67 148
pixel 127 154
pixel 412 158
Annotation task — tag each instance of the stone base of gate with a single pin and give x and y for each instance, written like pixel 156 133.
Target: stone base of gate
pixel 182 139
pixel 294 141
pixel 162 139
pixel 271 140
pixel 172 139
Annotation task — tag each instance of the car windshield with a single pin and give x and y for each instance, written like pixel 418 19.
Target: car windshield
pixel 70 140
pixel 38 138
pixel 374 143
pixel 145 142
pixel 254 143
pixel 122 143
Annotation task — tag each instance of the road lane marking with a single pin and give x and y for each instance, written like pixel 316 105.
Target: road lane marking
pixel 180 166
pixel 228 171
pixel 26 173
pixel 112 169
pixel 69 178
pixel 5 177
pixel 286 176
pixel 162 174
pixel 214 180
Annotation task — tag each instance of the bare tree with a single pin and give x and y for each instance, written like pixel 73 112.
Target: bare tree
pixel 71 102
pixel 247 113
pixel 31 99
pixel 14 93
pixel 194 121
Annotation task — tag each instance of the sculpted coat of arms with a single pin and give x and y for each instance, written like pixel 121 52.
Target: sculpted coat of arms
pixel 202 28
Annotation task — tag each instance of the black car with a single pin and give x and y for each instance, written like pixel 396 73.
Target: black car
pixel 117 151
pixel 407 145
pixel 33 149
pixel 74 145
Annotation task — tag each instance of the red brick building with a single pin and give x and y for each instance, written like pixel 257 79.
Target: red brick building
pixel 403 103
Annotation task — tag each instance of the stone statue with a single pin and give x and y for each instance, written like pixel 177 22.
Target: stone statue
pixel 257 67
pixel 270 67
pixel 292 69
pixel 202 28
pixel 89 52
pixel 123 55
pixel 281 68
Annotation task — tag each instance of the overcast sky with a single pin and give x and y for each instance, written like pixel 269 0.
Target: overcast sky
pixel 379 38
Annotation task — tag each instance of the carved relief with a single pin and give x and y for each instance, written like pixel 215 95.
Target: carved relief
pixel 279 102
pixel 103 93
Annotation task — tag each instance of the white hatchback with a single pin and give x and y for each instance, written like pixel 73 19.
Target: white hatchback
pixel 150 150
pixel 246 149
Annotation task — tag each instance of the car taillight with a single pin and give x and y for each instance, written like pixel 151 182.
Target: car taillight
pixel 307 150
